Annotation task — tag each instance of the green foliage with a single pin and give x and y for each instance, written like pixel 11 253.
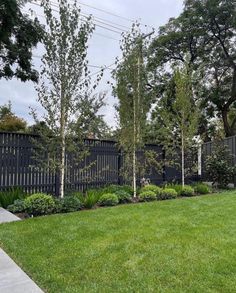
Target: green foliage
pixel 17 207
pixel 108 199
pixel 187 191
pixel 123 196
pixel 147 195
pixel 9 121
pixel 70 204
pixel 196 37
pixel 114 188
pixel 90 198
pixel 39 204
pixel 18 36
pixel 10 195
pixel 167 193
pixel 69 111
pixel 134 100
pixel 152 188
pixel 176 187
pixel 219 168
pixel 201 188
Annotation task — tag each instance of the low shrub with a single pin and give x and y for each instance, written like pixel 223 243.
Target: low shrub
pixel 108 199
pixel 147 195
pixel 152 188
pixel 70 204
pixel 17 207
pixel 167 193
pixel 176 187
pixel 123 196
pixel 39 204
pixel 187 191
pixel 10 195
pixel 201 188
pixel 115 188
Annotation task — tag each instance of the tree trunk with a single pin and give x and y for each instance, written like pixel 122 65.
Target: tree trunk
pixel 134 174
pixel 227 128
pixel 182 155
pixel 63 146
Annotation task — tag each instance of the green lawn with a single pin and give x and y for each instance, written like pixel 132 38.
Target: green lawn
pixel 185 245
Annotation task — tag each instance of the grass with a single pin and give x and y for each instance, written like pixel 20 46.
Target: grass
pixel 185 245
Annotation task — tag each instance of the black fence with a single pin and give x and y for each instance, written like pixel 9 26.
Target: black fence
pixel 18 167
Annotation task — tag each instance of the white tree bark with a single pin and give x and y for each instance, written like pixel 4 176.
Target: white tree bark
pixel 182 163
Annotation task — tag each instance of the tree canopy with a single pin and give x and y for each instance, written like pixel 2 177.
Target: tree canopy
pixel 18 35
pixel 204 36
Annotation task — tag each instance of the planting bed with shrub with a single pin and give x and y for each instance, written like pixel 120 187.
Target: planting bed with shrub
pixel 42 204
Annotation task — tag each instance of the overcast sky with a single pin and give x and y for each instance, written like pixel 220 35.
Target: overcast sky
pixel 103 47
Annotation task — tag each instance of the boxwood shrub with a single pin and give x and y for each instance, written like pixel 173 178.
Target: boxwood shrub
pixel 17 207
pixel 187 191
pixel 147 195
pixel 167 193
pixel 70 204
pixel 108 199
pixel 152 188
pixel 39 204
pixel 123 196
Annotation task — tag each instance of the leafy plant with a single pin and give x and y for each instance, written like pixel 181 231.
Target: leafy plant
pixel 152 188
pixel 187 191
pixel 10 195
pixel 108 199
pixel 91 198
pixel 176 187
pixel 219 167
pixel 123 196
pixel 17 207
pixel 147 195
pixel 39 204
pixel 201 188
pixel 70 204
pixel 167 193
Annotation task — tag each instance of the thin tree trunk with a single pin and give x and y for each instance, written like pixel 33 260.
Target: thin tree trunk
pixel 134 174
pixel 182 151
pixel 63 147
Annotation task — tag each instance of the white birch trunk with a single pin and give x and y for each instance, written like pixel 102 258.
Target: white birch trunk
pixel 182 163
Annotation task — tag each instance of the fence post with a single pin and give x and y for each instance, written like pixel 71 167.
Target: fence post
pixel 119 167
pixel 57 183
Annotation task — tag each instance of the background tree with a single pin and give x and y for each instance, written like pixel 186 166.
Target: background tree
pixel 9 121
pixel 18 36
pixel 174 120
pixel 64 84
pixel 134 101
pixel 203 36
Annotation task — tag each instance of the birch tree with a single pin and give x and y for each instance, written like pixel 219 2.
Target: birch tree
pixel 64 83
pixel 186 114
pixel 134 103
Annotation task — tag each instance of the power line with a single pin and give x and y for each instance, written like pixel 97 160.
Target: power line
pixel 89 65
pixel 97 25
pixel 111 13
